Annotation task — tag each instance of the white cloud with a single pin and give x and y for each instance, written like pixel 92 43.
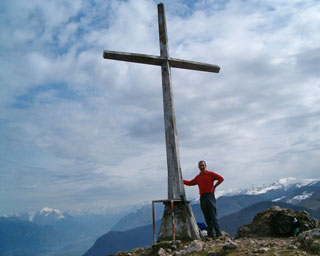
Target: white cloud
pixel 70 119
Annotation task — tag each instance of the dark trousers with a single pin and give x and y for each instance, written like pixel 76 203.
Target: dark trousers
pixel 209 210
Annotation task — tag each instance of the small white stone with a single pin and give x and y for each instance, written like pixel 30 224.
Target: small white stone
pixel 292 247
pixel 230 246
pixel 263 250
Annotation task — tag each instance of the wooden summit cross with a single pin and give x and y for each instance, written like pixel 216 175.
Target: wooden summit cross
pixel 175 186
pixel 175 182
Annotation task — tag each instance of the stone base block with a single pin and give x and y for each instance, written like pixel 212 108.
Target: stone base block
pixel 186 227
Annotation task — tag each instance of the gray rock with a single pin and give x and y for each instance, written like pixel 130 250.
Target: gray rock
pixel 292 247
pixel 260 226
pixel 173 245
pixel 161 252
pixel 194 246
pixel 230 246
pixel 315 233
pixel 309 240
pixel 263 250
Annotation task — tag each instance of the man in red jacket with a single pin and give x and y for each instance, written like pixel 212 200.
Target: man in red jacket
pixel 205 181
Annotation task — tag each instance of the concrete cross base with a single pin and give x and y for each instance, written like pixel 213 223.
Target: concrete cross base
pixel 185 225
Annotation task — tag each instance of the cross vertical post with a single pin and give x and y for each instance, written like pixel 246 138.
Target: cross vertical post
pixel 175 185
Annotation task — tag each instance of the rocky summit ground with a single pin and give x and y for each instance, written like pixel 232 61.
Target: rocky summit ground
pixel 255 238
pixel 226 246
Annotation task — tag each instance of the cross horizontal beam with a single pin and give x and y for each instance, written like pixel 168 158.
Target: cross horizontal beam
pixel 158 60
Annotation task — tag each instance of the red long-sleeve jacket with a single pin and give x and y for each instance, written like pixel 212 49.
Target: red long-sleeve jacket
pixel 205 181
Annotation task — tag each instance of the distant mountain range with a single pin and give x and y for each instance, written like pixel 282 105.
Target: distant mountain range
pixel 54 232
pixel 289 190
pixel 234 211
pixel 312 203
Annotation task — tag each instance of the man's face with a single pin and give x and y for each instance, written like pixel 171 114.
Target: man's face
pixel 202 166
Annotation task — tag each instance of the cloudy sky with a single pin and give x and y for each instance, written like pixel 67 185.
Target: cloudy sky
pixel 81 132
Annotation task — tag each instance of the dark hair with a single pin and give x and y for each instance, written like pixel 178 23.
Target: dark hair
pixel 203 162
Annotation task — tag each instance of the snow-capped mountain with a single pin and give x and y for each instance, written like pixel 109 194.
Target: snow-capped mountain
pixel 284 184
pixel 49 216
pixel 290 190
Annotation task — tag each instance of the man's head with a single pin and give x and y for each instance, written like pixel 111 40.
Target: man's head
pixel 202 166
